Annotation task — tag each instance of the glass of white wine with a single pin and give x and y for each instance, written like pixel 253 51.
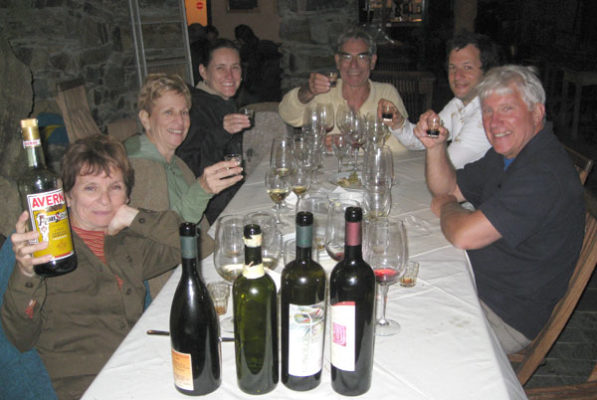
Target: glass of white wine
pixel 300 181
pixel 278 188
pixel 229 253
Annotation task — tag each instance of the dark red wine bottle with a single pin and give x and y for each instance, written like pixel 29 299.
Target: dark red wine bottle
pixel 352 301
pixel 303 312
pixel 194 326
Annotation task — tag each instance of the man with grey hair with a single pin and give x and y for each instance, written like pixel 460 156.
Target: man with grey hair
pixel 355 58
pixel 525 233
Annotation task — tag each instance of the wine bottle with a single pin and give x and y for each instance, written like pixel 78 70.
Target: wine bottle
pixel 352 300
pixel 255 320
pixel 194 327
pixel 42 195
pixel 303 312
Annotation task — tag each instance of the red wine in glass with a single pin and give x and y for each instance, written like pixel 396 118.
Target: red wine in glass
pixel 385 276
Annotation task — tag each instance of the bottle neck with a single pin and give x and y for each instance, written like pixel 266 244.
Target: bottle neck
pixel 304 242
pixel 353 245
pixel 188 250
pixel 253 267
pixel 32 144
pixel 35 156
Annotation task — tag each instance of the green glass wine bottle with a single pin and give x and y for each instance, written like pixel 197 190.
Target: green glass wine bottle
pixel 255 320
pixel 303 312
pixel 194 326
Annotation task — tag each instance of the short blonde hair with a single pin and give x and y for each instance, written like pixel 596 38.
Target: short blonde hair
pixel 156 85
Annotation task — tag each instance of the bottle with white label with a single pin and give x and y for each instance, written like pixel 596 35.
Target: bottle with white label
pixel 303 312
pixel 352 301
pixel 43 198
pixel 194 327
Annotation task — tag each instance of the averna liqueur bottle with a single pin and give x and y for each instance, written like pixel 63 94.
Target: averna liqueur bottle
pixel 255 321
pixel 303 312
pixel 194 327
pixel 43 198
pixel 352 300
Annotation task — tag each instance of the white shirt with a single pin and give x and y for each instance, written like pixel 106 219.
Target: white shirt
pixel 465 128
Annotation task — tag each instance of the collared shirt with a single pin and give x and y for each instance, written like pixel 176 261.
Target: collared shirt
pixel 465 126
pixel 189 201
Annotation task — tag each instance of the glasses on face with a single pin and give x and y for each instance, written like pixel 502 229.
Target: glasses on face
pixel 361 57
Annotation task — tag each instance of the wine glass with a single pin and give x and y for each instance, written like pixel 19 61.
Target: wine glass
pixel 326 115
pixel 385 249
pixel 340 146
pixel 300 181
pixel 357 137
pixel 335 227
pixel 229 253
pixel 378 167
pixel 312 118
pixel 281 158
pixel 271 238
pixel 278 188
pixel 377 202
pixel 344 118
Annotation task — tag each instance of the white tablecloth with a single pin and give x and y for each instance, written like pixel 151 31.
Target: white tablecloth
pixel 445 349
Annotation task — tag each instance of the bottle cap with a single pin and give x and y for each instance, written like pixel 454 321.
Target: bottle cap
pixel 354 214
pixel 251 230
pixel 187 229
pixel 304 218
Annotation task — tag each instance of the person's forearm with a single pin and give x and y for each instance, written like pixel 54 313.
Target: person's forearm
pixel 439 172
pixel 305 95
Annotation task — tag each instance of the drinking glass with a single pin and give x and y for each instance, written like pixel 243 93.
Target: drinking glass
pixel 332 76
pixel 312 119
pixel 357 137
pixel 300 181
pixel 278 188
pixel 340 146
pixel 378 167
pixel 434 122
pixel 326 115
pixel 229 253
pixel 281 157
pixel 377 202
pixel 335 227
pixel 385 249
pixel 344 118
pixel 271 238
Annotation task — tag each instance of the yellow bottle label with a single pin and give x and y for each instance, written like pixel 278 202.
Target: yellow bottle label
pixel 183 370
pixel 49 217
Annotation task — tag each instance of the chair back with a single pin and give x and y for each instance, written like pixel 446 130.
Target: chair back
pixel 583 164
pixel 123 128
pixel 529 358
pixel 257 140
pixel 580 391
pixel 72 100
pixel 415 88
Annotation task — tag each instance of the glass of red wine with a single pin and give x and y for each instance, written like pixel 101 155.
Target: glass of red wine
pixel 385 249
pixel 434 122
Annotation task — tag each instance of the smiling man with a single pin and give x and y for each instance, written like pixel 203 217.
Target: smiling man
pixel 525 234
pixel 470 55
pixel 355 58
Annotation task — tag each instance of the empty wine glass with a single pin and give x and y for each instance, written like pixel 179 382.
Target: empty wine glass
pixel 317 204
pixel 312 119
pixel 278 188
pixel 271 239
pixel 281 157
pixel 378 167
pixel 341 146
pixel 344 118
pixel 229 253
pixel 335 227
pixel 326 115
pixel 385 249
pixel 377 202
pixel 357 137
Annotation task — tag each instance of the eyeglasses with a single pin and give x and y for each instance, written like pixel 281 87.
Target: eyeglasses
pixel 361 57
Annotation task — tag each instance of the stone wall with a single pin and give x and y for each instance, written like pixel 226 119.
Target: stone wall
pixel 308 31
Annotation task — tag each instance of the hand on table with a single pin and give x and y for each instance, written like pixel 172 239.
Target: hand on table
pixel 220 176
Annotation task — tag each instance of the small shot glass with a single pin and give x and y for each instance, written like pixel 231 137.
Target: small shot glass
pixel 333 77
pixel 232 156
pixel 409 279
pixel 434 123
pixel 249 113
pixel 387 112
pixel 219 293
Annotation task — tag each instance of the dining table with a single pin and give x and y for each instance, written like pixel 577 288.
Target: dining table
pixel 444 350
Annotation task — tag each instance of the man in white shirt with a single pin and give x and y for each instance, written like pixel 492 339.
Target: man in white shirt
pixel 470 55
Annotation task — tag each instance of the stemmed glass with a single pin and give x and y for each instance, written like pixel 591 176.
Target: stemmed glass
pixel 357 137
pixel 385 249
pixel 229 253
pixel 340 145
pixel 378 167
pixel 300 181
pixel 326 115
pixel 278 188
pixel 344 118
pixel 335 227
pixel 281 157
pixel 271 243
pixel 312 118
pixel 318 205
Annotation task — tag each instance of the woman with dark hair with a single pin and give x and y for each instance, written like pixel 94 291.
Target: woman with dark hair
pixel 77 320
pixel 216 126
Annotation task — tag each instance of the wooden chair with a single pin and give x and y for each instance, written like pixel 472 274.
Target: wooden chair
pixel 257 141
pixel 529 358
pixel 583 164
pixel 72 100
pixel 123 128
pixel 582 391
pixel 415 88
